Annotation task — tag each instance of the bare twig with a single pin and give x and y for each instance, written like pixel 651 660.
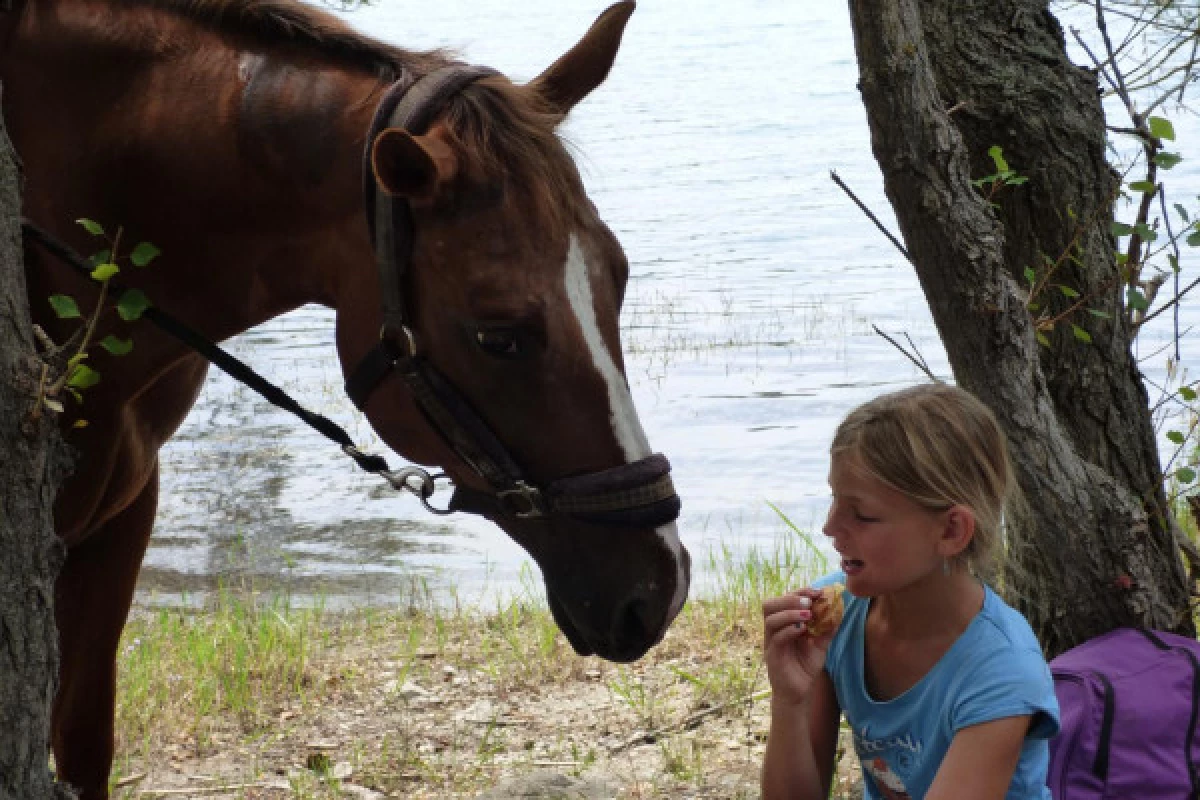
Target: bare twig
pixel 192 791
pixel 1162 198
pixel 130 780
pixel 647 737
pixel 1173 302
pixel 915 359
pixel 870 215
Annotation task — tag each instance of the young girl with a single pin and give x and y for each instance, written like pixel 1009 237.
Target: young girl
pixel 943 685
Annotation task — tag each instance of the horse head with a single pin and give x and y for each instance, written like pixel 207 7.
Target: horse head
pixel 499 356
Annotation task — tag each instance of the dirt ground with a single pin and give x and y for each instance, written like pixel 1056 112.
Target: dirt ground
pixel 676 725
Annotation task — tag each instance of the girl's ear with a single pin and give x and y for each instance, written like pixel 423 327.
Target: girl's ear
pixel 957 531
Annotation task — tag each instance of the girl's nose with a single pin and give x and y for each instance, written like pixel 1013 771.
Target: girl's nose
pixel 830 528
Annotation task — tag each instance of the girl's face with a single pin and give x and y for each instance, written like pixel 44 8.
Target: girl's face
pixel 887 542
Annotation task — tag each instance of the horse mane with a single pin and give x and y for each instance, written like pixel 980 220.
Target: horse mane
pixel 294 23
pixel 511 134
pixel 507 129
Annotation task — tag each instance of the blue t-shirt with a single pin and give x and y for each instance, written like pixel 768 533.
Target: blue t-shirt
pixel 995 669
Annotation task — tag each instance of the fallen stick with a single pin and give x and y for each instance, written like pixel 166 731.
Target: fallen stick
pixel 687 722
pixel 233 787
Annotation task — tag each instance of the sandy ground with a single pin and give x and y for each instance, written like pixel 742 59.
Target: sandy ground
pixel 439 727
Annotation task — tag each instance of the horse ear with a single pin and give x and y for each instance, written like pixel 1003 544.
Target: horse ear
pixel 586 65
pixel 411 166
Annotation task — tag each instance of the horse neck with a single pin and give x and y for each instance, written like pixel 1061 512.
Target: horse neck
pixel 242 163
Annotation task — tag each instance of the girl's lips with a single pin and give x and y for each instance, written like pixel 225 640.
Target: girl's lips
pixel 852 566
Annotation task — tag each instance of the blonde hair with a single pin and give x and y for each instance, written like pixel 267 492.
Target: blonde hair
pixel 939 446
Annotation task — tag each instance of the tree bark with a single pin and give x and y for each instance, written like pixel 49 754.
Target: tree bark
pixel 1093 546
pixel 32 464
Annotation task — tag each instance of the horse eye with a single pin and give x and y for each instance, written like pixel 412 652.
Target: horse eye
pixel 499 342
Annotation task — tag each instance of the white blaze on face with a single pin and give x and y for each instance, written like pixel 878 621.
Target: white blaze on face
pixel 625 423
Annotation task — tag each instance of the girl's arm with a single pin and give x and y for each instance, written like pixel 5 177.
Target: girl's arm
pixel 981 761
pixel 801 745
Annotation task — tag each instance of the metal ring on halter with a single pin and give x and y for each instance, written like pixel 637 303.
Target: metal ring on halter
pixel 441 512
pixel 402 480
pixel 389 333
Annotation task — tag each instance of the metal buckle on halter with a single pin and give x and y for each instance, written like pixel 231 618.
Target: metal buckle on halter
pixel 523 501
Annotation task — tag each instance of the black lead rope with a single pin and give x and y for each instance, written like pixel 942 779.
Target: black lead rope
pixel 240 371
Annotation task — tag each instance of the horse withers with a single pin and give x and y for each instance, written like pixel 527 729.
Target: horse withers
pixel 233 134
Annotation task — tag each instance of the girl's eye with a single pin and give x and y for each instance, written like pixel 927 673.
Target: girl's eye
pixel 500 342
pixel 861 517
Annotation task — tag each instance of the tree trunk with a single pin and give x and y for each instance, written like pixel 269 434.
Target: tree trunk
pixel 1093 546
pixel 32 465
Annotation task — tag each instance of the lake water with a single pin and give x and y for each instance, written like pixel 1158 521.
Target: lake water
pixel 748 324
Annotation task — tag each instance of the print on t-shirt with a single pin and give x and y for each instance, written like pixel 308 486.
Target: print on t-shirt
pixel 903 751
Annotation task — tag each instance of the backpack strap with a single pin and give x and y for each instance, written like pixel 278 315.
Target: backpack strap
pixel 1193 767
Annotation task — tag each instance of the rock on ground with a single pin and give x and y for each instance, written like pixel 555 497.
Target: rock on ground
pixel 551 786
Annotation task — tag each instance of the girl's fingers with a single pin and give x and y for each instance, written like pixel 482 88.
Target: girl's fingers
pixel 795 600
pixel 783 620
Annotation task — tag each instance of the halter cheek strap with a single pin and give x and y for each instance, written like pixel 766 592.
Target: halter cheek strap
pixel 640 494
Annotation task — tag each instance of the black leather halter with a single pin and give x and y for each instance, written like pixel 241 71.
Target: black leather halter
pixel 638 494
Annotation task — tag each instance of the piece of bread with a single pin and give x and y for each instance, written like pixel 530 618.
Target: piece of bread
pixel 827 611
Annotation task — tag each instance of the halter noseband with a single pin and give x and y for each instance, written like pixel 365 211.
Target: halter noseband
pixel 638 494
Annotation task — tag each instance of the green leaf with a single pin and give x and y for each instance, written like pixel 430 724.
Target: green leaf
pixel 1095 312
pixel 1042 340
pixel 1147 233
pixel 1173 260
pixel 64 306
pixel 1176 437
pixel 1030 275
pixel 1136 299
pixel 1162 128
pixel 1167 160
pixel 102 257
pixel 1193 238
pixel 1016 180
pixel 1182 212
pixel 1068 291
pixel 91 226
pixel 105 271
pixel 1081 334
pixel 83 377
pixel 1120 229
pixel 118 347
pixel 1145 187
pixel 132 304
pixel 1187 393
pixel 79 423
pixel 998 158
pixel 1185 474
pixel 143 254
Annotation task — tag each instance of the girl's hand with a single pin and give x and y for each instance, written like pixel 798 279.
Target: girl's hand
pixel 794 659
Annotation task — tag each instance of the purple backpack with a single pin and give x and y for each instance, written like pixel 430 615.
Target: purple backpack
pixel 1129 701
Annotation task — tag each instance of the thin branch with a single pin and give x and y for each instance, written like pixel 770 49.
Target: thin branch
pixel 1191 62
pixel 870 215
pixel 1173 302
pixel 918 360
pixel 647 737
pixel 1162 199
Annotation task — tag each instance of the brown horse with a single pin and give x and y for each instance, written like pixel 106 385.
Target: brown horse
pixel 231 134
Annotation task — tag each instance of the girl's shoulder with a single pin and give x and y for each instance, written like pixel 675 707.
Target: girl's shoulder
pixel 1004 624
pixel 1000 647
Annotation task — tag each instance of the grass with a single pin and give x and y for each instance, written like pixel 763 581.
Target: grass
pixel 445 700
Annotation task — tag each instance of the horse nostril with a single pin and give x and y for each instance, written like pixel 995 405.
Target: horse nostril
pixel 632 627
